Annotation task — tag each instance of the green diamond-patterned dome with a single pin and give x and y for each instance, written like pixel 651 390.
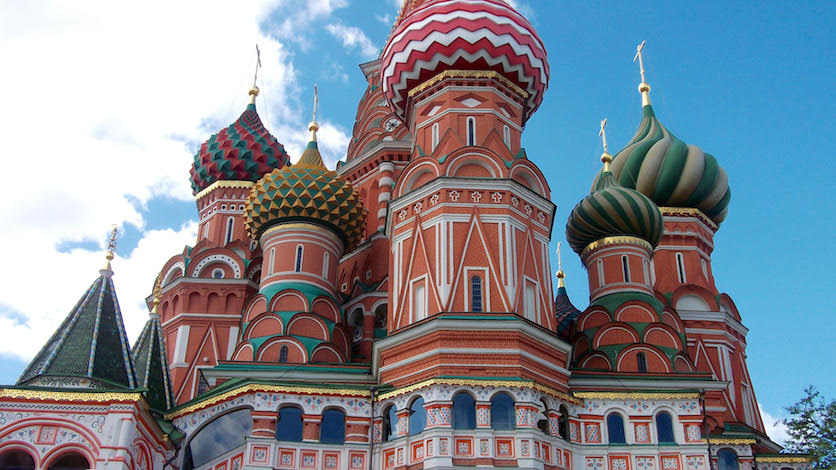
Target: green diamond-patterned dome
pixel 613 210
pixel 306 191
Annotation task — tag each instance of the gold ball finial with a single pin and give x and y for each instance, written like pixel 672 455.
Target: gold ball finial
pixel 253 93
pixel 313 126
pixel 560 275
pixel 606 158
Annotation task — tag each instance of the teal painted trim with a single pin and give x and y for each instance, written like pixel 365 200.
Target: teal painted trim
pixel 612 301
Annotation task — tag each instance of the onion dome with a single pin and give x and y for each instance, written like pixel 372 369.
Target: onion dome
pixel 463 36
pixel 612 210
pixel 306 191
pixel 671 172
pixel 244 151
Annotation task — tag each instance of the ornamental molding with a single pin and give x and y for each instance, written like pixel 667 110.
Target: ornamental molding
pixel 691 211
pixel 637 395
pixel 64 396
pixel 617 240
pixel 483 74
pixel 480 383
pixel 223 184
pixel 782 459
pixel 729 441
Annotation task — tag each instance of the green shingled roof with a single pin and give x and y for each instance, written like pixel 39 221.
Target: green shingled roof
pixel 89 349
pixel 149 357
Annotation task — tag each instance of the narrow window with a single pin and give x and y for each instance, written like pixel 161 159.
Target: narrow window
pixel 727 460
pixel 641 362
pixel 502 412
pixel 283 355
pixel 206 230
pixel 563 423
pixel 506 136
pixel 471 131
pixel 289 424
pixel 704 268
pixel 230 224
pixel 272 260
pixel 326 259
pixel 615 429
pixel 530 302
pixel 664 428
pixel 390 423
pixel 464 411
pixel 435 136
pixel 646 272
pixel 625 267
pixel 333 427
pixel 652 272
pixel 298 267
pixel 680 267
pixel 419 309
pixel 417 417
pixel 476 294
pixel 543 417
pixel 600 265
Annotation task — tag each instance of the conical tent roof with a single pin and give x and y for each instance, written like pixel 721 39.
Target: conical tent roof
pixel 149 358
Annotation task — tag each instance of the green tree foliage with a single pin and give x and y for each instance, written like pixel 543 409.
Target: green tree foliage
pixel 812 429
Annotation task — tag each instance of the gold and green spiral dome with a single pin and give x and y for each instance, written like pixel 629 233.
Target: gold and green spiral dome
pixel 671 172
pixel 307 192
pixel 612 210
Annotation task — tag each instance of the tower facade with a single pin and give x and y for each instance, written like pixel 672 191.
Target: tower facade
pixel 398 311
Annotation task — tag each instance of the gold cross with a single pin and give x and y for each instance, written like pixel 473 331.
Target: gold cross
pixel 315 101
pixel 603 133
pixel 111 244
pixel 257 63
pixel 638 57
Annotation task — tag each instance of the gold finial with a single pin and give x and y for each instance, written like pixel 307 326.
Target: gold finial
pixel 111 249
pixel 560 274
pixel 158 292
pixel 254 90
pixel 644 87
pixel 605 157
pixel 313 126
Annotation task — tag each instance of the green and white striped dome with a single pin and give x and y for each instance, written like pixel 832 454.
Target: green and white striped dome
pixel 613 210
pixel 671 172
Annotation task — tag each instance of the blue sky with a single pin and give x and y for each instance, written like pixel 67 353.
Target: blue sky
pixel 106 129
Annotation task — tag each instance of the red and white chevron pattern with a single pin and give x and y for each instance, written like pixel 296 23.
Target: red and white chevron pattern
pixel 463 34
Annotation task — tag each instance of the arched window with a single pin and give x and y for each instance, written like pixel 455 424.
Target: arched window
pixel 299 250
pixel 206 230
pixel 326 261
pixel 646 272
pixel 625 267
pixel 464 411
pixel 471 131
pixel 220 436
pixel 664 428
pixel 563 423
pixel 530 299
pixel 680 267
pixel 289 424
pixel 17 460
pixel 502 412
pixel 380 317
pixel 230 225
pixel 727 460
pixel 641 362
pixel 543 417
pixel 332 430
pixel 601 280
pixel 435 137
pixel 390 423
pixel 615 429
pixel 272 261
pixel 417 416
pixel 419 309
pixel 69 461
pixel 476 294
pixel 283 355
pixel 506 136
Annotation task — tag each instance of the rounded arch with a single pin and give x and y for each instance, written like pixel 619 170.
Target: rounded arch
pixel 324 307
pixel 417 173
pixel 661 335
pixel 417 415
pixel 326 354
pixel 464 410
pixel 563 422
pixel 289 301
pixel 727 459
pixel 529 177
pixel 596 360
pixel 70 457
pixel 212 257
pixel 271 350
pixel 503 411
pixel 339 339
pixel 173 272
pixel 289 425
pixel 581 346
pixel 615 427
pixel 244 352
pixel 693 297
pixel 308 325
pixel 332 427
pixel 473 165
pixel 726 304
pixel 257 306
pixel 671 319
pixel 657 361
pixel 664 421
pixel 266 324
pixel 593 318
pixel 390 422
pixel 18 456
pixel 682 364
pixel 615 333
pixel 636 312
pixel 223 433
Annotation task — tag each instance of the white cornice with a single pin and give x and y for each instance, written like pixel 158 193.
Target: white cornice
pixel 640 383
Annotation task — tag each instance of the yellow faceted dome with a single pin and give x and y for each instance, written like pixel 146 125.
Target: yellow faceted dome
pixel 306 191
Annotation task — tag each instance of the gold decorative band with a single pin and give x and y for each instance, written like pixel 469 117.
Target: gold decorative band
pixel 11 393
pixel 467 74
pixel 249 388
pixel 223 184
pixel 615 240
pixel 636 395
pixel 740 441
pixel 782 459
pixel 689 211
pixel 482 383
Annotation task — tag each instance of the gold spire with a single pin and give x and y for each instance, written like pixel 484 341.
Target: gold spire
pixel 254 90
pixel 644 87
pixel 311 155
pixel 158 293
pixel 605 157
pixel 313 126
pixel 560 274
pixel 111 250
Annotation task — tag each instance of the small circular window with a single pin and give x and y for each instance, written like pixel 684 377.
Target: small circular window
pixel 218 273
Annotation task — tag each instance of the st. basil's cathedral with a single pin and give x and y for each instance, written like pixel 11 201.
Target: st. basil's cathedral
pixel 398 312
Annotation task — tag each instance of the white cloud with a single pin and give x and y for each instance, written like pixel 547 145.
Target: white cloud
pixel 775 428
pixel 103 106
pixel 353 37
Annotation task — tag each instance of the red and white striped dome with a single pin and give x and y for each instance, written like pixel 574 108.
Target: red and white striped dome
pixel 463 35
